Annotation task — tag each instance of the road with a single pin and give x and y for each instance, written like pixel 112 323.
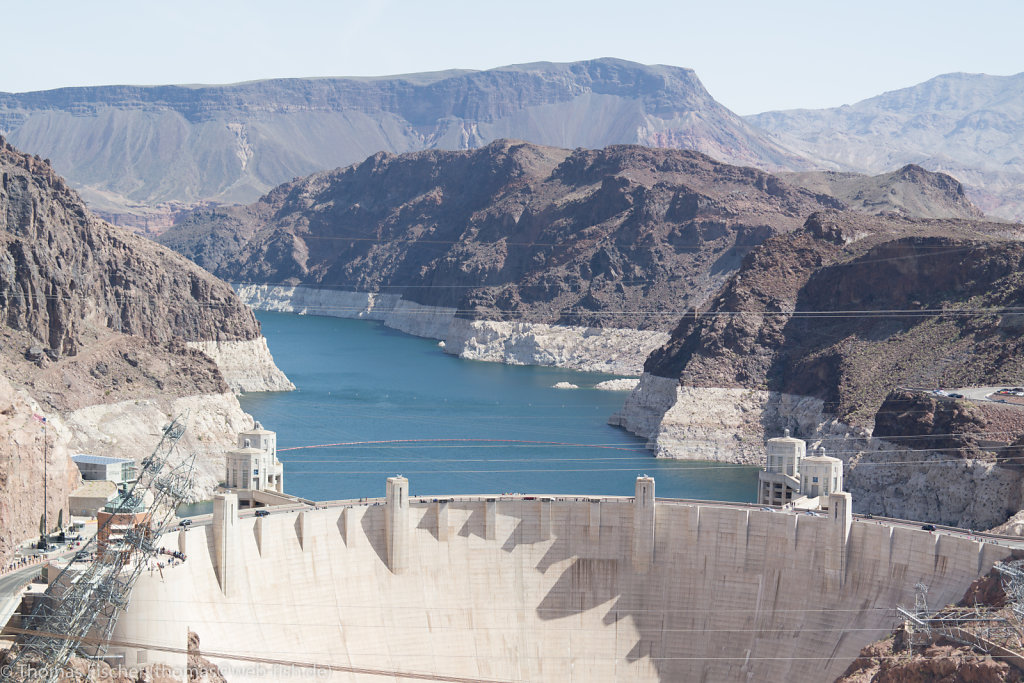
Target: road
pixel 10 591
pixel 983 393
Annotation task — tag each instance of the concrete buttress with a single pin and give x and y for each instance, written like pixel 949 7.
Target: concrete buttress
pixel 643 525
pixel 442 520
pixel 490 520
pixel 397 527
pixel 225 539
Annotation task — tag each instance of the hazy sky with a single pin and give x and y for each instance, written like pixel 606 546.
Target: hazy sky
pixel 752 56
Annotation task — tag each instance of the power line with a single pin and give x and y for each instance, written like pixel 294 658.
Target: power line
pixel 256 660
pixel 230 656
pixel 491 607
pixel 406 609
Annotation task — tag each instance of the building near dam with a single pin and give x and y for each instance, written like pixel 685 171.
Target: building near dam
pixel 253 467
pixel 791 477
pixel 120 516
pixel 539 588
pixel 121 471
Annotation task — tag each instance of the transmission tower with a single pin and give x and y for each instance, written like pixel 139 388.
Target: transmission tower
pixel 80 602
pixel 1013 586
pixel 920 599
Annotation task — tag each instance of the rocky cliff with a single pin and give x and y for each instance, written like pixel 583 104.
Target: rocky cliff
pixel 623 237
pixel 149 150
pixel 967 125
pixel 939 459
pixel 815 330
pixel 910 191
pixel 435 243
pixel 841 309
pixel 97 325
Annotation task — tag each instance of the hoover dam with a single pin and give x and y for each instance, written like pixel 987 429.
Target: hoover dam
pixel 539 588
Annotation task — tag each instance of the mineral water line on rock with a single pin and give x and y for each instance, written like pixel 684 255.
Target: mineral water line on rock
pixel 830 313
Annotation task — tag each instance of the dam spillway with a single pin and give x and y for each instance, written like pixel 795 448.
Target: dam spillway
pixel 532 588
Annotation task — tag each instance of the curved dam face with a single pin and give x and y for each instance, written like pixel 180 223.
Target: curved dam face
pixel 540 589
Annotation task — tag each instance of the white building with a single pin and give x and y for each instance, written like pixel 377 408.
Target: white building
pixel 779 482
pixel 254 466
pixel 821 475
pixel 791 477
pixel 105 468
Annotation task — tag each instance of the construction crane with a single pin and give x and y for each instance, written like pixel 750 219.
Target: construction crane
pixel 84 604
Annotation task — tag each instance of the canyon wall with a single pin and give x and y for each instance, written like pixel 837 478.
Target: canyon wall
pixel 246 365
pixel 108 336
pixel 885 478
pixel 22 469
pixel 591 349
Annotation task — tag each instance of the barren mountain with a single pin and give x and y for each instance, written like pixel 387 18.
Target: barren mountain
pixel 851 306
pixel 93 316
pixel 968 125
pixel 620 237
pixel 911 191
pixel 626 236
pixel 129 149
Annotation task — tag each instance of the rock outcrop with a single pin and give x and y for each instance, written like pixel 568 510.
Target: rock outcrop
pixel 817 328
pixel 246 365
pixel 96 334
pixel 840 309
pixel 911 657
pixel 621 237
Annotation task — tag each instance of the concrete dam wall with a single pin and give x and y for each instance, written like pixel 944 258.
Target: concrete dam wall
pixel 542 589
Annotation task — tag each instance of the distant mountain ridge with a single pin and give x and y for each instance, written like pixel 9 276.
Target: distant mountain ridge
pixel 143 155
pixel 128 148
pixel 968 125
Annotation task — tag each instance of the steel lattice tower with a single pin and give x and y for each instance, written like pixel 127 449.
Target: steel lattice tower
pixel 83 602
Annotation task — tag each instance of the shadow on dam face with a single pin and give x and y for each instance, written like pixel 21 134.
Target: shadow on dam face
pixel 372 520
pixel 551 590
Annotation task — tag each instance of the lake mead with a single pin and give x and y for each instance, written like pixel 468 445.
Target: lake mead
pixel 396 404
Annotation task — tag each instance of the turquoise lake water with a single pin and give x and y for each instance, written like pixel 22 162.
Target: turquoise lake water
pixel 452 426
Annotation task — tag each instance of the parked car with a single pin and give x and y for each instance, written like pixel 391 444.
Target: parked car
pixel 185 522
pixel 928 527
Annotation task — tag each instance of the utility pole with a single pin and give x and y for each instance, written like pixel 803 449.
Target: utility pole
pixel 46 456
pixel 46 525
